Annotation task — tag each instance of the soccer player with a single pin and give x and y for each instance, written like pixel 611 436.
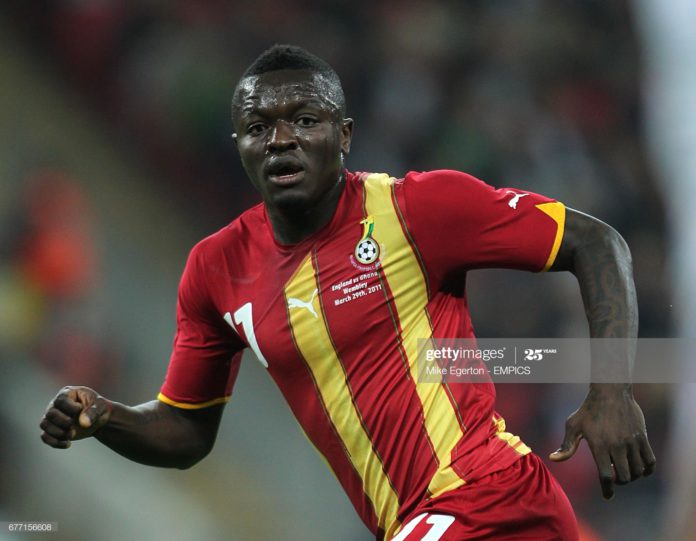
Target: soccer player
pixel 332 281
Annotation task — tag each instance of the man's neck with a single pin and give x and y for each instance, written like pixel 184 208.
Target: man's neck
pixel 292 227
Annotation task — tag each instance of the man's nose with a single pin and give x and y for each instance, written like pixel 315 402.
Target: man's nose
pixel 282 137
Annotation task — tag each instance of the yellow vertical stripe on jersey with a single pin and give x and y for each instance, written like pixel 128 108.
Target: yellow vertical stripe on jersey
pixel 556 211
pixel 408 285
pixel 315 345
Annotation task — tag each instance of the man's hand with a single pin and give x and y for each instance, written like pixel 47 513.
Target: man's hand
pixel 75 413
pixel 613 425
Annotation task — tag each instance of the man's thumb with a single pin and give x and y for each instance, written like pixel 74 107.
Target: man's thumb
pixel 92 414
pixel 570 444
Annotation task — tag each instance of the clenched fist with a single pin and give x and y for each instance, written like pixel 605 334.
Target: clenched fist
pixel 75 413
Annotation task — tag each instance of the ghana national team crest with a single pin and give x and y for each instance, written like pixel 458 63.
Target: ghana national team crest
pixel 367 249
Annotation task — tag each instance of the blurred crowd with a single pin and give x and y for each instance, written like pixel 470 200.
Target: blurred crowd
pixel 50 283
pixel 539 95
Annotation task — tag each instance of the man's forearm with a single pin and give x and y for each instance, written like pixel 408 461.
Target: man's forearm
pixel 605 276
pixel 601 261
pixel 609 418
pixel 605 273
pixel 158 435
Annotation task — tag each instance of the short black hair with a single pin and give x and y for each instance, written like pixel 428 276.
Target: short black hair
pixel 291 57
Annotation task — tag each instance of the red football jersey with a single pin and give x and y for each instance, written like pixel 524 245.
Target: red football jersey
pixel 338 319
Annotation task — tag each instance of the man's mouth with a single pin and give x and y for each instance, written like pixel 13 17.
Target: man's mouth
pixel 284 171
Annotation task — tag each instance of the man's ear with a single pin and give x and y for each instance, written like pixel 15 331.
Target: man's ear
pixel 346 135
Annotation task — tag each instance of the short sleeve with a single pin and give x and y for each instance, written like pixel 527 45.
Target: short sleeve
pixel 206 355
pixel 459 222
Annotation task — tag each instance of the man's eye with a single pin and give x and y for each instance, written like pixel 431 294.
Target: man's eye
pixel 255 129
pixel 306 121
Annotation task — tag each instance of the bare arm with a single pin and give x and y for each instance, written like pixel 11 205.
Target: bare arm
pixel 600 259
pixel 152 433
pixel 609 418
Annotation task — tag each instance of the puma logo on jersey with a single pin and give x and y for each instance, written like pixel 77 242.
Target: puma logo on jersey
pixel 516 197
pixel 299 303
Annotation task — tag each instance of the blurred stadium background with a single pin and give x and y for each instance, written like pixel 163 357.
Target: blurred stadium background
pixel 115 158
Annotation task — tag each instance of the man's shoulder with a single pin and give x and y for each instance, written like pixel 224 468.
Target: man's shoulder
pixel 437 176
pixel 240 231
pixel 434 176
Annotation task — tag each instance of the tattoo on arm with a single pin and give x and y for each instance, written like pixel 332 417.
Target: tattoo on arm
pixel 601 261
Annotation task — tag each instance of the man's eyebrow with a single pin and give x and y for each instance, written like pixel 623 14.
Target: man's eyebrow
pixel 252 105
pixel 317 102
pixel 248 107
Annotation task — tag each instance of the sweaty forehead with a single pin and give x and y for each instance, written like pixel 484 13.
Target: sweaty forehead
pixel 286 87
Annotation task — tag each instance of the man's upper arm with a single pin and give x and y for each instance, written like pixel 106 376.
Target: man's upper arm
pixel 582 231
pixel 461 223
pixel 207 353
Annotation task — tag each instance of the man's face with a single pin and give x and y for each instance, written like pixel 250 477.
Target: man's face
pixel 291 137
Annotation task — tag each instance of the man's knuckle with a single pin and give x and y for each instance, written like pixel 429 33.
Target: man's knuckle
pixel 58 418
pixel 634 440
